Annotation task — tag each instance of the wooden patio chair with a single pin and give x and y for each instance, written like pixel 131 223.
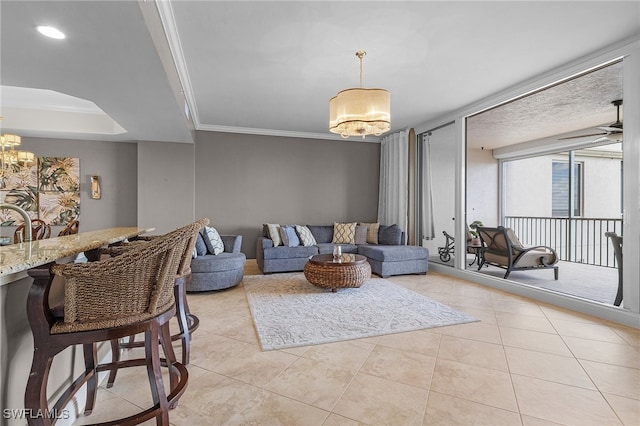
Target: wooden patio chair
pixel 504 250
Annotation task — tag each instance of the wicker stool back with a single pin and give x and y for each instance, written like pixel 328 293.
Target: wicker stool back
pixel 112 298
pixel 187 322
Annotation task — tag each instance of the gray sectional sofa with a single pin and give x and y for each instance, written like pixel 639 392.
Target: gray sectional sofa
pixel 390 257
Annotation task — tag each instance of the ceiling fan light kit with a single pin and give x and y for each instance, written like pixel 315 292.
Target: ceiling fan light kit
pixel 360 111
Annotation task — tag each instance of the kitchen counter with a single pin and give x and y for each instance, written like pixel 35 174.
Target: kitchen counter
pixel 15 258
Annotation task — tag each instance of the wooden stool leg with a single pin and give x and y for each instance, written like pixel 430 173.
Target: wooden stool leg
pixel 170 357
pixel 152 355
pixel 115 357
pixel 181 315
pixel 90 361
pixel 35 397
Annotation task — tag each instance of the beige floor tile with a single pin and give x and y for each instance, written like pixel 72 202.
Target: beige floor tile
pixel 423 342
pixel 562 403
pixel 520 307
pixel 556 312
pixel 525 322
pixel 350 354
pixel 108 406
pixel 254 366
pixel 207 349
pixel 377 401
pixel 312 382
pixel 472 352
pixel 597 332
pixel 626 408
pixel 449 410
pixel 534 340
pixel 479 331
pixel 406 367
pixel 183 416
pixel 630 335
pixel 554 368
pixel 483 385
pixel 622 381
pixel 608 353
pixel 216 398
pixel 465 302
pixel 533 421
pixel 275 410
pixel 336 420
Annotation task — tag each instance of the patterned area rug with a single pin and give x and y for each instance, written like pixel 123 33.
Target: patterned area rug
pixel 288 311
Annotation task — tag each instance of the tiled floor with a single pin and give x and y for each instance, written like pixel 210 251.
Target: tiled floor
pixel 524 363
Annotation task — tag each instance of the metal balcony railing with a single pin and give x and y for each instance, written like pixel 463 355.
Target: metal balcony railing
pixel 579 240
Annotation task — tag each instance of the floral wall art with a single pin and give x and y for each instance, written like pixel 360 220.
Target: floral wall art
pixel 49 190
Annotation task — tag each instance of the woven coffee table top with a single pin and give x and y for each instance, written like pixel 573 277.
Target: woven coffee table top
pixel 350 270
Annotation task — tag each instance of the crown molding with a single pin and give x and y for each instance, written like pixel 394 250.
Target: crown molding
pixel 282 133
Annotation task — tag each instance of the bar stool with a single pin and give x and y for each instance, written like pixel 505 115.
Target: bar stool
pixel 71 229
pixel 116 297
pixel 187 322
pixel 39 231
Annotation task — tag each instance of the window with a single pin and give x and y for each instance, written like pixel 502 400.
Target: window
pixel 563 192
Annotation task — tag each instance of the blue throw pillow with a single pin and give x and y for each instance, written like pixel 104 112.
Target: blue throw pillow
pixel 390 235
pixel 288 236
pixel 201 247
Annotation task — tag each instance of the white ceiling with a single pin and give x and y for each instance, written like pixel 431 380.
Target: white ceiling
pixel 270 67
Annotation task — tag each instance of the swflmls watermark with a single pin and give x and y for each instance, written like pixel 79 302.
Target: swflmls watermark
pixel 27 413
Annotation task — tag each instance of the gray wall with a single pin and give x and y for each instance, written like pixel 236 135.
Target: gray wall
pixel 166 185
pixel 114 162
pixel 243 181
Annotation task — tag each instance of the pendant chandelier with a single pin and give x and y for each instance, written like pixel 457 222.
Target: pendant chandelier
pixel 360 111
pixel 13 161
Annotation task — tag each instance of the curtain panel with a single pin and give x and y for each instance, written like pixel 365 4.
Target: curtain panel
pixel 394 179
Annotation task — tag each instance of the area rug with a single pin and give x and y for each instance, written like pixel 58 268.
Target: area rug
pixel 288 311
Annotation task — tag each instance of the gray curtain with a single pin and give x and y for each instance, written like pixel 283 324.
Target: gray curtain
pixel 427 222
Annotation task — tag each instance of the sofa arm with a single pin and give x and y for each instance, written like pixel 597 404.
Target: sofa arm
pixel 232 243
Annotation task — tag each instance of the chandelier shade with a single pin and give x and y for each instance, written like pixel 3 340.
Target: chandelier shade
pixel 360 111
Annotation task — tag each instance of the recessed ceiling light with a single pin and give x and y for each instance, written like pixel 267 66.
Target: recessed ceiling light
pixel 51 32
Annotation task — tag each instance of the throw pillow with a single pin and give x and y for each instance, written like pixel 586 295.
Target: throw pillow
pixel 306 237
pixel 344 233
pixel 390 235
pixel 361 234
pixel 274 233
pixel 212 240
pixel 372 232
pixel 288 236
pixel 201 247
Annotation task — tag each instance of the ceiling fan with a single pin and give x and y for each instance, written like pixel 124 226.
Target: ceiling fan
pixel 614 130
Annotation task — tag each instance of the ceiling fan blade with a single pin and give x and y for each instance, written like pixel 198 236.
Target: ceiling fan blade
pixel 583 136
pixel 610 129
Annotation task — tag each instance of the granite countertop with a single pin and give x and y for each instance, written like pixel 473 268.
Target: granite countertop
pixel 16 258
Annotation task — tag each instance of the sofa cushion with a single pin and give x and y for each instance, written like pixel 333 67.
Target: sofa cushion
pixel 215 263
pixel 361 234
pixel 327 248
pixel 322 233
pixel 389 235
pixel 372 231
pixel 306 237
pixel 288 236
pixel 212 240
pixel 274 233
pixel 289 252
pixel 344 233
pixel 393 253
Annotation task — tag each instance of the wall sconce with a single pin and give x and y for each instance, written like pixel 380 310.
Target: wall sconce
pixel 95 187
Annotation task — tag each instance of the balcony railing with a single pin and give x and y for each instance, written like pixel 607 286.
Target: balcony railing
pixel 579 240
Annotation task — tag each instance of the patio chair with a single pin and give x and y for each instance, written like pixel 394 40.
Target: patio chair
pixel 504 250
pixel 616 240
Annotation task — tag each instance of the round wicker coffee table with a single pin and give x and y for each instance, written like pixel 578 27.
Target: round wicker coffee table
pixel 350 270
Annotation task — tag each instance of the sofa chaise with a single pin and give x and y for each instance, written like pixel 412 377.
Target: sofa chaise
pixel 384 249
